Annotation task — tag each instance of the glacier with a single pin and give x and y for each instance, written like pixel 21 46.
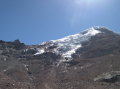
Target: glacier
pixel 68 45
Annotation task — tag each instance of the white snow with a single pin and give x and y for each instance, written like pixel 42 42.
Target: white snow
pixel 92 32
pixel 26 50
pixel 26 67
pixel 40 51
pixel 72 51
pixel 71 43
pixel 5 59
pixel 68 45
pixel 4 70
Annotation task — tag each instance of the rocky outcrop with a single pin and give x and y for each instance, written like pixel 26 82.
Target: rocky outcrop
pixel 109 77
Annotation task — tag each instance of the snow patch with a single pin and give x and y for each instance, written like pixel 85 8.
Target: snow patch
pixel 92 31
pixel 5 59
pixel 26 50
pixel 40 51
pixel 72 51
pixel 4 70
pixel 26 67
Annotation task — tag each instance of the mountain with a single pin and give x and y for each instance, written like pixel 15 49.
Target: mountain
pixel 87 60
pixel 68 45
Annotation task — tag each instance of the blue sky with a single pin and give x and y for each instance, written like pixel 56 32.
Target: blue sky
pixel 35 21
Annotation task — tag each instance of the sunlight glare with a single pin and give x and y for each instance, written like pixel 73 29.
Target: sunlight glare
pixel 89 2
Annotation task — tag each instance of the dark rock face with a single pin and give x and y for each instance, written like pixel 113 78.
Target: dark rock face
pixel 15 45
pixel 100 45
pixel 95 65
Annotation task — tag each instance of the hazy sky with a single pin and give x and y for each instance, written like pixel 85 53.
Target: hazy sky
pixel 35 21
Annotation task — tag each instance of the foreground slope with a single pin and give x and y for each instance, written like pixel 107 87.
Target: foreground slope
pixel 87 60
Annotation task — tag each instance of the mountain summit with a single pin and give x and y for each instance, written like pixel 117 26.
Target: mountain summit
pixel 68 45
pixel 87 60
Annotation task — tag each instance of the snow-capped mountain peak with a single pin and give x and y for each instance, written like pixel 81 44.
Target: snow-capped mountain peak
pixel 92 31
pixel 68 45
pixel 89 32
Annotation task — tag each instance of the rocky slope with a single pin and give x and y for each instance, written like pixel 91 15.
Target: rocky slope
pixel 87 60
